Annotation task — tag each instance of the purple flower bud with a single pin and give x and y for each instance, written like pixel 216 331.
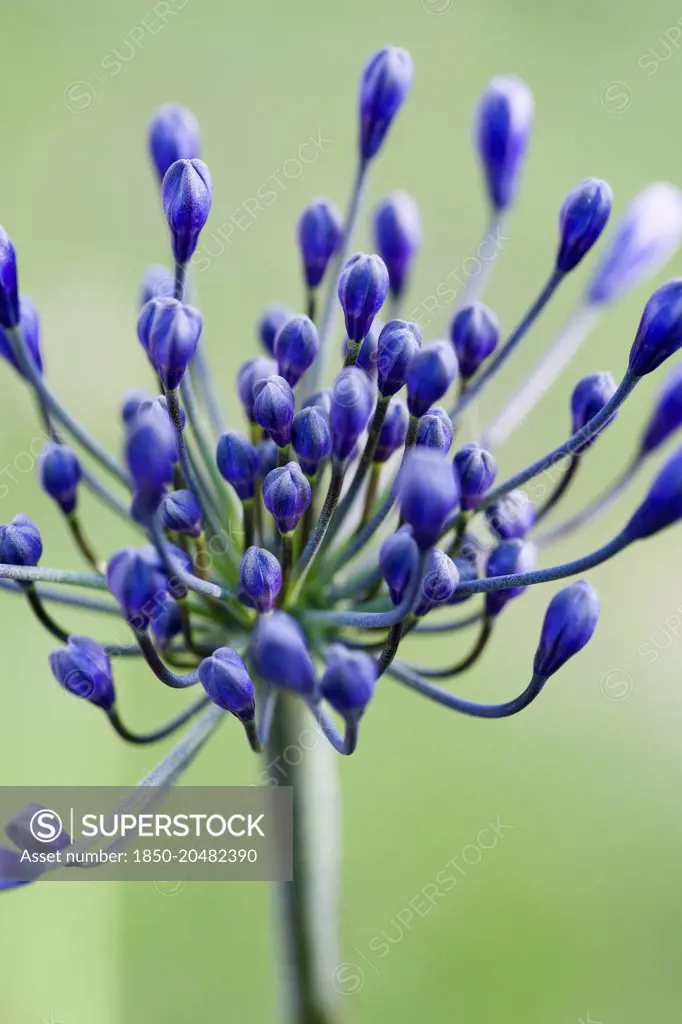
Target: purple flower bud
pixel 429 375
pixel 83 668
pixel 663 504
pixel 273 408
pixel 512 516
pixel 393 431
pixel 20 542
pixel 589 397
pixel 659 334
pixel 180 512
pixel 173 135
pixel 385 84
pixel 319 400
pixel 644 240
pixel 476 469
pixel 227 682
pixel 397 234
pixel 509 557
pixel 311 438
pixel 169 333
pixel 363 286
pixel 570 622
pixel 397 559
pixel 435 430
pixel 133 400
pixel 29 323
pixel 59 472
pixel 286 494
pixel 270 322
pixel 398 342
pixel 186 195
pixel 582 218
pixel 475 333
pixel 237 460
pixel 348 681
pixel 136 580
pixel 428 494
pixel 503 125
pixel 296 347
pixel 10 311
pixel 666 416
pixel 151 450
pixel 157 283
pixel 267 458
pixel 252 371
pixel 320 230
pixel 279 652
pixel 440 582
pixel 352 400
pixel 166 621
pixel 260 579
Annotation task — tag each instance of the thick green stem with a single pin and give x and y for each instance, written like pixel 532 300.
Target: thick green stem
pixel 297 755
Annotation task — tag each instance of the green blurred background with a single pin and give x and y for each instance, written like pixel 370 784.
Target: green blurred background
pixel 575 914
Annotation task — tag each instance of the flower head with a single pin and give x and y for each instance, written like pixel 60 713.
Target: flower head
pixel 351 406
pixel 320 230
pixel 60 472
pixel 180 512
pixel 280 654
pixel 249 374
pixel 186 193
pixel 512 516
pixel 397 559
pixel 583 216
pixel 431 372
pixel 173 135
pixel 428 494
pixel 270 322
pixel 569 625
pixel 663 504
pixel 666 416
pixel 475 333
pixel 589 397
pixel 273 408
pixel 397 234
pixel 435 430
pixel 10 310
pixel 659 334
pixel 311 438
pixel 20 542
pixel 393 430
pixel 476 469
pixel 83 668
pixel 503 124
pixel 296 347
pixel 287 494
pixel 226 680
pixel 260 578
pixel 386 82
pixel 509 557
pixel 398 342
pixel 238 463
pixel 363 286
pixel 348 681
pixel 169 332
pixel 29 323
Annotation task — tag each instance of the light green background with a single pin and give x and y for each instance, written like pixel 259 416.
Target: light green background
pixel 577 911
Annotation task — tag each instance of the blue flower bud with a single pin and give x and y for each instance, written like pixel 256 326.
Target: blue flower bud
pixel 320 230
pixel 29 321
pixel 286 494
pixel 663 504
pixel 136 580
pixel 260 579
pixel 398 342
pixel 428 494
pixel 503 124
pixel 237 460
pixel 279 652
pixel 352 400
pixel 10 311
pixel 644 240
pixel 475 333
pixel 186 195
pixel 397 234
pixel 466 569
pixel 270 322
pixel 252 371
pixel 133 400
pixel 512 516
pixel 267 457
pixel 429 375
pixel 582 218
pixel 169 333
pixel 319 400
pixel 180 512
pixel 659 334
pixel 435 430
pixel 570 622
pixel 363 286
pixel 666 417
pixel 166 622
pixel 157 283
pixel 397 558
pixel 173 135
pixel 59 472
pixel 226 680
pixel 296 347
pixel 273 408
pixel 311 438
pixel 393 430
pixel 83 668
pixel 20 542
pixel 440 582
pixel 385 84
pixel 348 681
pixel 476 469
pixel 151 450
pixel 509 557
pixel 589 397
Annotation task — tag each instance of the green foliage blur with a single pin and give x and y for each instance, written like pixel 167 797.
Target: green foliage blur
pixel 574 914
